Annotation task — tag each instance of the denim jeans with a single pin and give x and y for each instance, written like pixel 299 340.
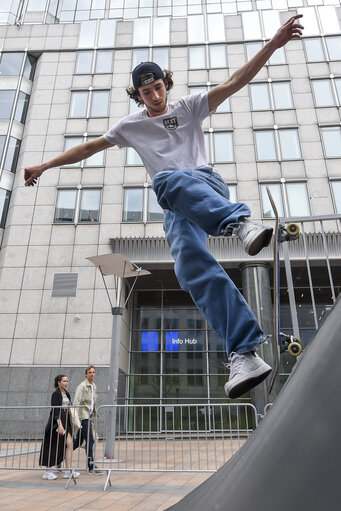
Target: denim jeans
pixel 85 434
pixel 197 204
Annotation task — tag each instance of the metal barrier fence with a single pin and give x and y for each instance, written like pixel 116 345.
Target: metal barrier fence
pixel 188 437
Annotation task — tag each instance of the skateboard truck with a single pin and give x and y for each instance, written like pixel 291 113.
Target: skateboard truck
pixel 290 344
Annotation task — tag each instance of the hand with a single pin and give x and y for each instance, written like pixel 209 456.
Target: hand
pixel 32 173
pixel 61 430
pixel 290 30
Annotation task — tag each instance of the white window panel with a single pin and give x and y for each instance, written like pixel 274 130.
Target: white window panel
pixel 132 157
pixel 99 104
pixel 297 197
pixel 311 26
pixel 140 55
pixel 4 202
pixel 223 147
pixel 107 31
pixel 65 206
pixel 253 48
pixel 87 34
pixel 337 82
pixel 84 62
pixel 336 186
pixel 282 95
pixel 195 29
pixel 332 141
pixel 323 92
pixel 218 57
pixel 78 103
pixel 260 96
pixel 290 145
pixel 251 25
pixel 6 103
pixel 96 160
pixel 161 31
pixel 104 61
pixel 141 34
pixel 133 205
pixel 197 57
pixel 265 145
pixel 90 205
pixel 314 49
pixel 233 193
pixel 73 142
pixel 329 19
pixel 216 27
pixel 278 57
pixel 154 211
pixel 334 47
pixel 271 22
pixel 161 57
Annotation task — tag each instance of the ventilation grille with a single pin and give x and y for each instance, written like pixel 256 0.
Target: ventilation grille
pixel 65 284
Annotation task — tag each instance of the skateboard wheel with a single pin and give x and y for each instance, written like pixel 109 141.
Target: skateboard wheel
pixel 295 349
pixel 293 229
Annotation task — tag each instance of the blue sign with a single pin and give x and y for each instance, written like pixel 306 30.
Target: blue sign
pixel 150 341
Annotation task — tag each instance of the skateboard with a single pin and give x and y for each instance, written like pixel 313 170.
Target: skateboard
pixel 282 342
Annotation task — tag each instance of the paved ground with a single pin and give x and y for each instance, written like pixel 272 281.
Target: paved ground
pixel 22 490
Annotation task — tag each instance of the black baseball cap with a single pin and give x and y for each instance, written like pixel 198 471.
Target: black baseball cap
pixel 146 72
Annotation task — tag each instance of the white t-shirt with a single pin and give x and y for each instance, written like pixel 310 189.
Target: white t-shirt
pixel 171 141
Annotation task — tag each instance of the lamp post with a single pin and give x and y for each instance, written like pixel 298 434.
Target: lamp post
pixel 118 266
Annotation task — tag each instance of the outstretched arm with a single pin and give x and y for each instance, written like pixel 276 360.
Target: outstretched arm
pixel 290 30
pixel 73 155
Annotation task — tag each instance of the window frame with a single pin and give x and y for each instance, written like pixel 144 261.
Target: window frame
pixel 283 206
pixel 145 191
pixel 79 190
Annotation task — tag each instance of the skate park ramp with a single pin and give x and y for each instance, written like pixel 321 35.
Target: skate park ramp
pixel 293 459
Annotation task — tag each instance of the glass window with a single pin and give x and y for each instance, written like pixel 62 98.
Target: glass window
pixel 278 57
pixel 22 107
pixel 329 19
pixel 252 49
pixel 2 144
pixel 132 157
pixel 133 205
pixel 30 65
pixel 12 154
pixel 282 95
pixel 197 57
pixel 217 53
pixel 289 143
pixel 6 103
pixel 337 82
pixel 332 141
pixel 78 103
pixel 104 60
pixel 155 212
pixel 223 147
pixel 233 193
pixel 161 31
pixel 334 47
pixel 84 62
pixel 251 25
pixel 36 5
pixel 87 34
pixel 106 36
pixel 65 206
pixel 99 104
pixel 4 202
pixel 216 27
pixel 10 64
pixel 336 186
pixel 161 57
pixel 195 29
pixel 323 93
pixel 141 32
pixel 298 200
pixel 310 21
pixel 224 107
pixel 260 96
pixel 265 145
pixel 97 159
pixel 90 205
pixel 314 49
pixel 276 192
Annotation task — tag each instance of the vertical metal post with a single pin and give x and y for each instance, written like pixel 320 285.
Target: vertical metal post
pixel 110 422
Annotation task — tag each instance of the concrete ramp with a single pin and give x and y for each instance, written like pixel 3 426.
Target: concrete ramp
pixel 293 460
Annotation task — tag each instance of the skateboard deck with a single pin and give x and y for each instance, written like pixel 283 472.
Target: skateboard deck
pixel 281 342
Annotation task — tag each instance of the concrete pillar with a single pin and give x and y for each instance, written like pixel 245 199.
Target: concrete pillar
pixel 257 292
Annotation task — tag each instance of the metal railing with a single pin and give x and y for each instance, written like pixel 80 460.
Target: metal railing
pixel 188 437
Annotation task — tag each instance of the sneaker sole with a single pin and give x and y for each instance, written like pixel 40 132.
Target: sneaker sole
pixel 262 240
pixel 244 386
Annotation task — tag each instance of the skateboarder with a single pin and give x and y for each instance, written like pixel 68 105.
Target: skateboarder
pixel 170 142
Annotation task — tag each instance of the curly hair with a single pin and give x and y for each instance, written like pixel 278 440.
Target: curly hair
pixel 134 94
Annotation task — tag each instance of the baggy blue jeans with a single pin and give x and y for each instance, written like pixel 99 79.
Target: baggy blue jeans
pixel 197 204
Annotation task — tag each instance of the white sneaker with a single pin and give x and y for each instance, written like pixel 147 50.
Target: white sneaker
pixel 49 475
pixel 246 371
pixel 254 236
pixel 67 474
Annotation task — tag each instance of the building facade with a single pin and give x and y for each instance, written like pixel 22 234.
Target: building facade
pixel 64 67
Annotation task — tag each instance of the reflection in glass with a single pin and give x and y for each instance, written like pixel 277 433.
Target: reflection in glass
pixel 10 64
pixel 65 206
pixel 265 145
pixel 217 362
pixel 332 141
pixel 184 363
pixel 186 386
pixel 133 205
pixel 298 200
pixel 90 205
pixel 290 145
